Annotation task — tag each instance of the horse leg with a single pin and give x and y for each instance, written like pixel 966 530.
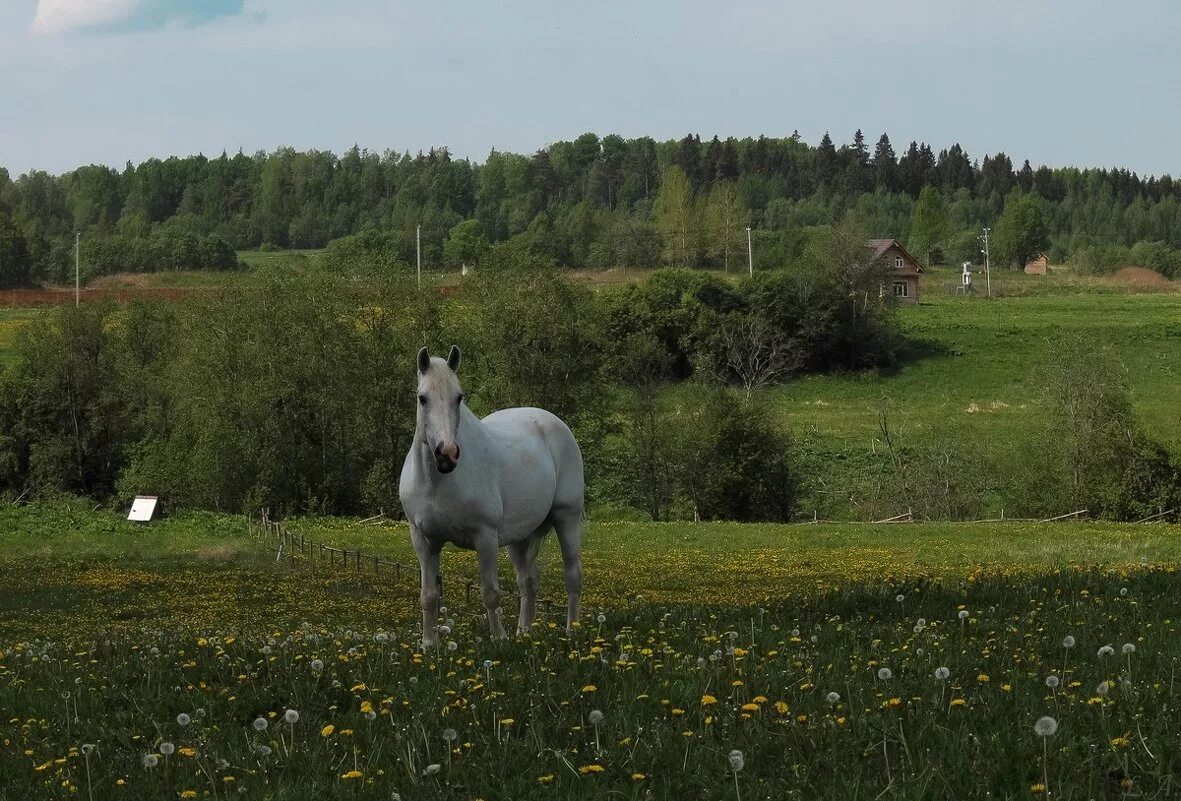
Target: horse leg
pixel 569 528
pixel 486 555
pixel 431 590
pixel 523 555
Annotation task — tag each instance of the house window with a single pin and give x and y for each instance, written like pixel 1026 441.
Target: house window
pixel 897 262
pixel 900 289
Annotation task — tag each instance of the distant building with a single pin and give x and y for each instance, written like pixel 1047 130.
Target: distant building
pixel 903 277
pixel 1039 266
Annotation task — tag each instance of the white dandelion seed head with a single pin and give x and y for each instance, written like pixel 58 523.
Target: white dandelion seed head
pixel 833 697
pixel 291 716
pixel 260 724
pixel 317 665
pixel 1068 641
pixel 963 615
pixel 919 652
pixel 445 630
pixel 595 717
pixel 1128 648
pixel 899 597
pixel 381 637
pixel 1045 727
pixel 737 760
pixel 266 650
pixel 601 618
pixel 1103 689
pixel 921 622
pixel 450 735
pixel 264 750
pixel 700 661
pixel 795 632
pixel 413 680
pixel 885 674
pixel 87 749
pixel 151 760
pixel 452 646
pixel 432 769
pixel 487 664
pixel 1123 591
pixel 370 715
pixel 942 673
pixel 1106 650
pixel 167 749
pixel 1052 681
pixel 183 719
pixel 918 629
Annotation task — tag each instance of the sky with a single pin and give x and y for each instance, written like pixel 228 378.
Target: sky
pixel 1060 82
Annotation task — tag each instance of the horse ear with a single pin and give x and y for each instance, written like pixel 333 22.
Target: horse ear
pixel 424 360
pixel 453 358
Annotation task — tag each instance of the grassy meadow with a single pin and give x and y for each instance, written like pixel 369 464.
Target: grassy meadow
pixel 179 660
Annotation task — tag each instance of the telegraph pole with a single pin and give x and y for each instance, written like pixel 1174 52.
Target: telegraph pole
pixel 418 251
pixel 987 271
pixel 77 267
pixel 750 254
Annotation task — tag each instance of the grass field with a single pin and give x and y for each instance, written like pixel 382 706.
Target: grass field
pixel 179 660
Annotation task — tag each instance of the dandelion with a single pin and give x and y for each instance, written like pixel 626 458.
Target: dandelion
pixel 1105 651
pixel 1068 641
pixel 432 769
pixel 151 760
pixel 942 673
pixel 1052 681
pixel 450 735
pixel 291 717
pixel 445 630
pixel 87 749
pixel 601 618
pixel 708 700
pixel 183 719
pixel 885 674
pixel 317 665
pixel 833 697
pixel 327 730
pixel 352 774
pixel 260 724
pixel 1123 591
pixel 595 717
pixel 167 749
pixel 1045 728
pixel 452 646
pixel 1128 648
pixel 737 760
pixel 963 615
pixel 1103 689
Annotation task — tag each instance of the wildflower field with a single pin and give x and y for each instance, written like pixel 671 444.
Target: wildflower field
pixel 179 660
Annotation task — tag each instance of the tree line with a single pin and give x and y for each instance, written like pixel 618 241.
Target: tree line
pixel 591 202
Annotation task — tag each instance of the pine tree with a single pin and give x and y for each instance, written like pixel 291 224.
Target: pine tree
pixel 826 162
pixel 885 167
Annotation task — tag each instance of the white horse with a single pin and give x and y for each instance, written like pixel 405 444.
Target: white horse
pixel 500 482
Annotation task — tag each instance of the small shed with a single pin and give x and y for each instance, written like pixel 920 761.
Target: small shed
pixel 902 280
pixel 1039 266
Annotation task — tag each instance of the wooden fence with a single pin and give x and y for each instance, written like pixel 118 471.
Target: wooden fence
pixel 296 548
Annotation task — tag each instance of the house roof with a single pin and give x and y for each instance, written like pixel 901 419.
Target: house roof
pixel 879 246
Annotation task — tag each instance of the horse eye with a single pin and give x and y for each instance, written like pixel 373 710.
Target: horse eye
pixel 422 399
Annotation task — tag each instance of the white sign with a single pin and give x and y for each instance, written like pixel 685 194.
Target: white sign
pixel 143 509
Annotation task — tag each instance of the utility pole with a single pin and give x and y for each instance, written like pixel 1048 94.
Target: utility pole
pixel 750 254
pixel 77 267
pixel 418 251
pixel 987 270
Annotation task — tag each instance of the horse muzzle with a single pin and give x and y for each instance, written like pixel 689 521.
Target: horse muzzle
pixel 446 461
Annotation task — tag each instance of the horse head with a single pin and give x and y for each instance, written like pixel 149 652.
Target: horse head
pixel 439 399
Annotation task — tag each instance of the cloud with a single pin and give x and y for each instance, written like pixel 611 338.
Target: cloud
pixel 59 16
pixel 121 16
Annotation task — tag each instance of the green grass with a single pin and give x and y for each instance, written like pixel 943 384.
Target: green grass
pixel 11 323
pixel 110 631
pixel 984 353
pixel 273 258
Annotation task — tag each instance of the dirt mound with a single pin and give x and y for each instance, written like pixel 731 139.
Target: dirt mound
pixel 1140 276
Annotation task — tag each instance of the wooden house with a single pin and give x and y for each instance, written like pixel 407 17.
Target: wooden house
pixel 902 280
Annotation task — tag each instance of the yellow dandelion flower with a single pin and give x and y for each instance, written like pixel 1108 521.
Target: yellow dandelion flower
pixel 639 777
pixel 1037 789
pixel 782 708
pixel 327 730
pixel 587 769
pixel 546 779
pixel 982 678
pixel 590 688
pixel 507 721
pixel 352 774
pixel 958 702
pixel 708 700
pixel 188 794
pixel 750 707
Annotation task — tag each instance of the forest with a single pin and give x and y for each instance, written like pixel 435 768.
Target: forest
pixel 594 202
